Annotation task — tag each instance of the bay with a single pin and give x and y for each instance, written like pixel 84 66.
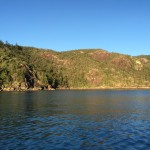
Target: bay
pixel 75 119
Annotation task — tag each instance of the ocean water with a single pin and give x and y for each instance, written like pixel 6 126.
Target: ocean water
pixel 75 119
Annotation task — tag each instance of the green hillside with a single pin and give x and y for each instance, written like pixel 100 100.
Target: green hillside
pixel 24 68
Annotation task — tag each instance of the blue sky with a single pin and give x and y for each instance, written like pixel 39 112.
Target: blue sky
pixel 115 25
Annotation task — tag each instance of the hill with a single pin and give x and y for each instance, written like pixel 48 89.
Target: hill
pixel 24 68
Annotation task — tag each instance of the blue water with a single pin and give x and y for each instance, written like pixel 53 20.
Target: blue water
pixel 96 119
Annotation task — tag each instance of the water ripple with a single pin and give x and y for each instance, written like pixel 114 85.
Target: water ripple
pixel 56 124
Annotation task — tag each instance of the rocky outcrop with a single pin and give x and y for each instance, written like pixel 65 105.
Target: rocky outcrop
pixel 31 81
pixel 30 77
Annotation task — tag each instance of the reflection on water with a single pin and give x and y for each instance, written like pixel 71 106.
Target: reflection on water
pixel 96 119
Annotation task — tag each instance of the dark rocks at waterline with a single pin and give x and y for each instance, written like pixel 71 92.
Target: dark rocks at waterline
pixel 25 88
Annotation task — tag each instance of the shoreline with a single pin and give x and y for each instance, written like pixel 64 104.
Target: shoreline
pixel 80 89
pixel 106 88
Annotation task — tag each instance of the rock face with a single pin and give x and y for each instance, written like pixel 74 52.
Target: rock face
pixel 31 81
pixel 30 77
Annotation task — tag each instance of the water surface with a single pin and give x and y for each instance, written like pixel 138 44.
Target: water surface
pixel 74 119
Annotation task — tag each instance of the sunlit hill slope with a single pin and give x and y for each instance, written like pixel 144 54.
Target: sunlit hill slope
pixel 23 68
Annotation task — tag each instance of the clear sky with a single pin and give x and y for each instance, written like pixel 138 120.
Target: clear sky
pixel 115 25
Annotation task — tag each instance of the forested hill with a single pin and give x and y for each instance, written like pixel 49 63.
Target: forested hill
pixel 24 68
